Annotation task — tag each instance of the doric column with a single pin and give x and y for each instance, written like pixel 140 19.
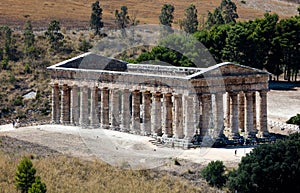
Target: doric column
pixel 55 103
pixel 178 117
pixel 196 112
pixel 254 112
pixel 206 113
pixel 135 121
pixel 114 109
pixel 168 130
pixel 227 114
pixel 263 116
pixel 219 113
pixel 125 113
pixel 105 108
pixel 249 114
pixel 156 129
pixel 242 111
pixel 65 105
pixel 234 114
pixel 94 108
pixel 146 126
pixel 83 120
pixel 74 105
pixel 189 122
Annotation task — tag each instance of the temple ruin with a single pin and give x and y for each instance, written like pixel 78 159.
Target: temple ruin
pixel 166 102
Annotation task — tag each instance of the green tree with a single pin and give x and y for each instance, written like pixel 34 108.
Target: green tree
pixel 214 173
pixel 229 10
pixel 38 186
pixel 29 37
pixel 166 15
pixel 288 38
pixel 54 35
pixel 122 19
pixel 5 34
pixel 190 23
pixel 96 18
pixel 269 168
pixel 25 175
pixel 223 14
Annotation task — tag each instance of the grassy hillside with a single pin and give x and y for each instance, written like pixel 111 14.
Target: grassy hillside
pixel 76 13
pixel 63 173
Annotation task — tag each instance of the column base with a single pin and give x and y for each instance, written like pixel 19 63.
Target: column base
pixel 124 129
pixel 234 135
pixel 104 126
pixel 165 135
pixel 263 134
pixel 94 126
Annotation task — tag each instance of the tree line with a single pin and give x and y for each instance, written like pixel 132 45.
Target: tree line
pixel 267 43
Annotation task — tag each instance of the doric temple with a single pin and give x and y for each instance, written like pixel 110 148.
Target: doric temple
pixel 166 102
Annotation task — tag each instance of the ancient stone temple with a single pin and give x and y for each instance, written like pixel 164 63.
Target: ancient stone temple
pixel 166 102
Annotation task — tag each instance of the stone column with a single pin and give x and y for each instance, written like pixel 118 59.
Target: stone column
pixel 125 113
pixel 114 109
pixel 219 113
pixel 196 112
pixel 135 121
pixel 263 116
pixel 206 113
pixel 189 120
pixel 178 117
pixel 227 116
pixel 65 105
pixel 94 122
pixel 83 120
pixel 146 126
pixel 242 111
pixel 105 108
pixel 234 116
pixel 168 130
pixel 74 105
pixel 249 114
pixel 254 112
pixel 156 129
pixel 55 103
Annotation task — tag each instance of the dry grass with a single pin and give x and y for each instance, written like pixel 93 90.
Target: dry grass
pixel 63 173
pixel 77 12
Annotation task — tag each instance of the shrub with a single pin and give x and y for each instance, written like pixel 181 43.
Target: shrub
pixel 214 173
pixel 294 120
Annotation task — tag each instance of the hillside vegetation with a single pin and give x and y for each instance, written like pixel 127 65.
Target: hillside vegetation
pixel 76 13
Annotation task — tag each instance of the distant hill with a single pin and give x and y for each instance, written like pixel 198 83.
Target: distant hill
pixel 76 13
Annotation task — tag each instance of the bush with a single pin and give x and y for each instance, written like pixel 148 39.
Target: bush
pixel 214 173
pixel 294 120
pixel 269 168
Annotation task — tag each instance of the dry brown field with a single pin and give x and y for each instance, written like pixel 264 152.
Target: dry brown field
pixel 76 13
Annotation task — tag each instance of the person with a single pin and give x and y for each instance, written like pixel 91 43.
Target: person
pixel 13 123
pixel 235 151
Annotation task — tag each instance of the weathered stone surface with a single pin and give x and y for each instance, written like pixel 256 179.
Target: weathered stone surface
pixel 174 101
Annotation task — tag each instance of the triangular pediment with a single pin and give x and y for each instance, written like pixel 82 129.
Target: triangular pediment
pixel 227 69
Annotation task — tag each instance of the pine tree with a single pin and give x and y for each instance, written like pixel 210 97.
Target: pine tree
pixel 54 35
pixel 37 186
pixel 25 175
pixel 28 36
pixel 190 24
pixel 166 16
pixel 229 11
pixel 122 19
pixel 96 18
